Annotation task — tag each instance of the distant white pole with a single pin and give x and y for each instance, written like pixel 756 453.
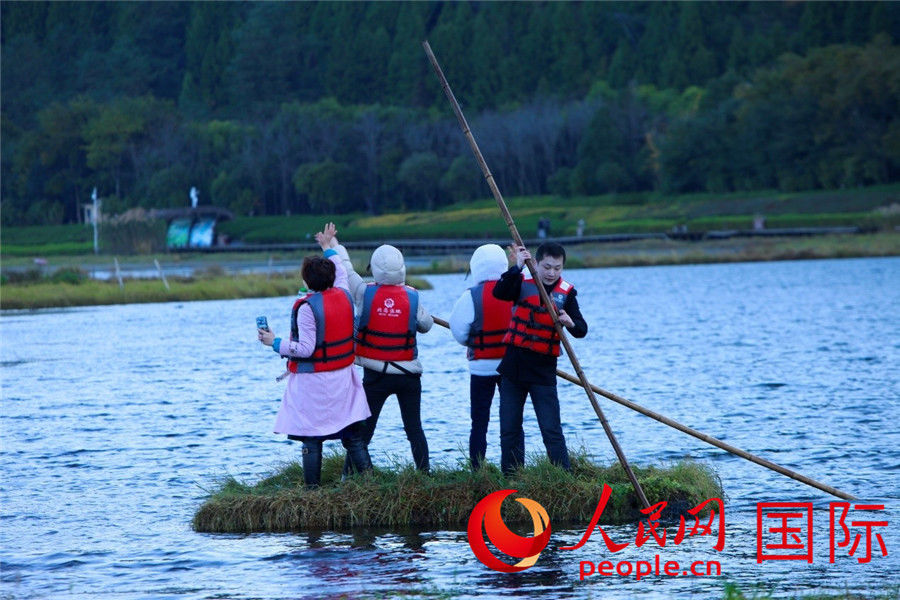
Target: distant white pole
pixel 194 197
pixel 118 273
pixel 94 219
pixel 161 274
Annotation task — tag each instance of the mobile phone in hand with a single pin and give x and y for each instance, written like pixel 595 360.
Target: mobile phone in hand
pixel 262 323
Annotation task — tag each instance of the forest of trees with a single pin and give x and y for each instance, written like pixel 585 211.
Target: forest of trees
pixel 299 107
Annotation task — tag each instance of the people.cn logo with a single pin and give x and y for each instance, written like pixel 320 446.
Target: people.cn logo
pixel 485 520
pixel 389 303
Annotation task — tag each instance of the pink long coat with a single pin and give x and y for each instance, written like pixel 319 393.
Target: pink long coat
pixel 323 403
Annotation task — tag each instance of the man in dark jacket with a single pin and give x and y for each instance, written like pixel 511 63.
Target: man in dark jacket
pixel 529 365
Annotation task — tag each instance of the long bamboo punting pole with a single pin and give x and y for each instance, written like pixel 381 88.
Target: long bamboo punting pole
pixel 545 299
pixel 698 434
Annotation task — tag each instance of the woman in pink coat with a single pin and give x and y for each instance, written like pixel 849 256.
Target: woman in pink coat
pixel 324 397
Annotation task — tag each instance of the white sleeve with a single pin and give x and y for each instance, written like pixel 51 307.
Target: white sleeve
pixel 461 318
pixel 424 320
pixel 354 281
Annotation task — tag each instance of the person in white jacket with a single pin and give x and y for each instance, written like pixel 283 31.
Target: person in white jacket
pixel 479 322
pixel 389 315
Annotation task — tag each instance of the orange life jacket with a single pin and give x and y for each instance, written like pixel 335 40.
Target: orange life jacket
pixel 490 324
pixel 387 324
pixel 531 325
pixel 333 312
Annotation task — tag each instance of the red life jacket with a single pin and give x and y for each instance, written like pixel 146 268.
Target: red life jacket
pixel 531 325
pixel 333 312
pixel 387 324
pixel 490 324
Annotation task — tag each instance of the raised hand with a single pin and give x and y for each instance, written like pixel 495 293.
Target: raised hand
pixel 334 240
pixel 326 237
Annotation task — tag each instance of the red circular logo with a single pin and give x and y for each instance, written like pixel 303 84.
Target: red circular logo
pixel 487 512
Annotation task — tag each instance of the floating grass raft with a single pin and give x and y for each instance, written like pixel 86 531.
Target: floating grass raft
pixel 402 496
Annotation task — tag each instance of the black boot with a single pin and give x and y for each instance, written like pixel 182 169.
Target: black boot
pixel 312 463
pixel 357 454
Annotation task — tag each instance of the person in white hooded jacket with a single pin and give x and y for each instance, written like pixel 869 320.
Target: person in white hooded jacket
pixel 389 315
pixel 479 321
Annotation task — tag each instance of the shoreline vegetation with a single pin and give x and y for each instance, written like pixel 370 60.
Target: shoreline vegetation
pixel 401 496
pixel 137 232
pixel 67 281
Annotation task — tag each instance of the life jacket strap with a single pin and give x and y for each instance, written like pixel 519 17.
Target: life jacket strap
pixel 409 339
pixel 532 324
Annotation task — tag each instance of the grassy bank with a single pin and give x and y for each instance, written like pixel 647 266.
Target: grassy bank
pixel 642 253
pixel 47 294
pixel 76 289
pixel 872 208
pixel 70 285
pixel 401 496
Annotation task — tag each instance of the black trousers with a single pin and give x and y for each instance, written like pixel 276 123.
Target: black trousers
pixel 408 389
pixel 481 396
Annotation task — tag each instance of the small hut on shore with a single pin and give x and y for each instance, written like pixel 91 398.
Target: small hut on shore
pixel 193 227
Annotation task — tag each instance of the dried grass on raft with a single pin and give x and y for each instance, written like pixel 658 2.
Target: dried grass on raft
pixel 401 496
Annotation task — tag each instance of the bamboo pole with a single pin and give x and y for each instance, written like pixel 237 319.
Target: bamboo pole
pixel 698 434
pixel 545 299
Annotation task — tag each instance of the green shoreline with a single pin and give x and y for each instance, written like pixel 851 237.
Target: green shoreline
pixel 211 282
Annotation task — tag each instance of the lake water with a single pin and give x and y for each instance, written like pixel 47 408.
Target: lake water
pixel 117 420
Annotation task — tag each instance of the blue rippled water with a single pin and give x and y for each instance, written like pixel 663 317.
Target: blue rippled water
pixel 116 421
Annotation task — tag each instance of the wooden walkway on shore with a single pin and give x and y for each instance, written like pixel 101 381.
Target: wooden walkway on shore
pixel 461 246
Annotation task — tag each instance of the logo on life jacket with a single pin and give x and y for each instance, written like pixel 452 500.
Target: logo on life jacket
pixel 332 310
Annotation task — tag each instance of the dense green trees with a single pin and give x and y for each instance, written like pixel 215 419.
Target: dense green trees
pixel 274 108
pixel 828 120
